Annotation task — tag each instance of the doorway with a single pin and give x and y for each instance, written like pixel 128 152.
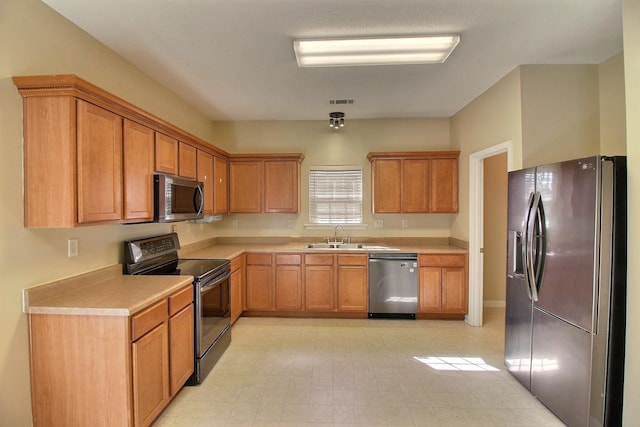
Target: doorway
pixel 476 227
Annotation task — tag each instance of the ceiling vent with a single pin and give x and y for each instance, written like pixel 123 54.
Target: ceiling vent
pixel 341 101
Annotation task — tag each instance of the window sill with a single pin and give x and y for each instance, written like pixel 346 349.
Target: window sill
pixel 361 226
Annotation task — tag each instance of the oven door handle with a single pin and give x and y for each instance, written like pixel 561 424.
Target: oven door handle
pixel 215 282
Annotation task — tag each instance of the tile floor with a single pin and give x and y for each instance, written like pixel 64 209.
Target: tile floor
pixel 330 372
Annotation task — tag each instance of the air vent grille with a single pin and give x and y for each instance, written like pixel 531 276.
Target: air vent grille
pixel 341 101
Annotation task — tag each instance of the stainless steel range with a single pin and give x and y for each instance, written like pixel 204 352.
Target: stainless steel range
pixel 158 256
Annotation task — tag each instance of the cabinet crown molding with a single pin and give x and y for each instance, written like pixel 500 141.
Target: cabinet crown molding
pixel 413 155
pixel 298 157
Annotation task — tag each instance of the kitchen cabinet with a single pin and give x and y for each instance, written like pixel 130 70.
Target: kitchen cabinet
pixel 288 284
pixel 353 284
pixel 221 186
pixel 99 147
pixel 443 286
pixel 245 187
pixel 117 370
pixel 415 182
pixel 205 175
pixel 86 154
pixel 267 183
pixel 166 154
pixel 236 283
pixel 187 161
pixel 259 285
pixel 319 286
pixel 138 166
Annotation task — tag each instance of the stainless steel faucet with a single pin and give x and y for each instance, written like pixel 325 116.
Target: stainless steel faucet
pixel 335 232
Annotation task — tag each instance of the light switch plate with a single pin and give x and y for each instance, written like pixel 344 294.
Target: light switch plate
pixel 72 248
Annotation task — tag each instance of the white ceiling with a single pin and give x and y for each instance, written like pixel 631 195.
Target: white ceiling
pixel 234 60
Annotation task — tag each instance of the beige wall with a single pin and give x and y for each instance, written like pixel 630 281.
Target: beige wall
pixel 560 113
pixel 631 29
pixel 492 118
pixel 495 229
pixel 36 40
pixel 323 146
pixel 613 136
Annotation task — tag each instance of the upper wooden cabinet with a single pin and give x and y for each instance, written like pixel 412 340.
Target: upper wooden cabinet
pixel 89 155
pixel 138 172
pixel 415 182
pixel 187 160
pixel 221 186
pixel 264 183
pixel 166 154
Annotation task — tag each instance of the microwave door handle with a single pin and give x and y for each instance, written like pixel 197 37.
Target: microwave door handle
pixel 199 207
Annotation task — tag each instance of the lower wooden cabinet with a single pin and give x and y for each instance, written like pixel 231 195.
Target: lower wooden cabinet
pixel 259 289
pixel 319 285
pixel 288 283
pixel 236 283
pixel 443 284
pixel 117 370
pixel 353 282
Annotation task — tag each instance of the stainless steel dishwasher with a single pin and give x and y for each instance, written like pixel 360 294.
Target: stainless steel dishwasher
pixel 393 285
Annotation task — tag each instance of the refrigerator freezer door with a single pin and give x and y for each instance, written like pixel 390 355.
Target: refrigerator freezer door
pixel 570 196
pixel 517 348
pixel 561 368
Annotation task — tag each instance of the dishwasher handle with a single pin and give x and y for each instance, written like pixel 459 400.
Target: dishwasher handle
pixel 375 257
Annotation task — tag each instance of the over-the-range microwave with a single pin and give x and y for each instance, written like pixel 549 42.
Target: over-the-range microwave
pixel 177 199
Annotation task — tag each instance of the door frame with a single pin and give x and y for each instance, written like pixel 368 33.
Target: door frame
pixel 476 226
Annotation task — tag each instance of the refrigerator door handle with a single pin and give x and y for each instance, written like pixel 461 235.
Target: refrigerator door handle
pixel 525 245
pixel 531 239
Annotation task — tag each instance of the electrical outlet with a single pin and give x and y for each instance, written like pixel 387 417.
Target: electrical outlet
pixel 289 223
pixel 404 223
pixel 72 248
pixel 174 228
pixel 234 223
pixel 378 223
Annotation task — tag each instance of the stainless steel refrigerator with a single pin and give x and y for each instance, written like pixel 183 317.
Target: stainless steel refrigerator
pixel 566 287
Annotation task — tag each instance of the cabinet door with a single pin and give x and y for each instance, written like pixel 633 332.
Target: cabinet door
pixel 386 186
pixel 221 187
pixel 318 291
pixel 166 154
pixel 138 162
pixel 205 174
pixel 444 186
pixel 235 283
pixel 150 363
pixel 181 348
pixel 430 296
pixel 99 164
pixel 415 186
pixel 245 187
pixel 454 293
pixel 259 287
pixel 288 287
pixel 352 288
pixel 281 192
pixel 187 161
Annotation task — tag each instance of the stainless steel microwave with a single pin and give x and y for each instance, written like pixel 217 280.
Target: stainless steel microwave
pixel 177 199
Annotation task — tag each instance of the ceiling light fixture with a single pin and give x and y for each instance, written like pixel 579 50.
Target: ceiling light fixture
pixel 374 51
pixel 336 120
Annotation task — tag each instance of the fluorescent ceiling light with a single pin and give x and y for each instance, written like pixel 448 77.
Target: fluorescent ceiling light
pixel 374 51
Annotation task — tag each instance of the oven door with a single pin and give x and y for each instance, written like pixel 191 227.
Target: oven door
pixel 212 313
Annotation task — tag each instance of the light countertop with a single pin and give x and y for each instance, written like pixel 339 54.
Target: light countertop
pixel 104 292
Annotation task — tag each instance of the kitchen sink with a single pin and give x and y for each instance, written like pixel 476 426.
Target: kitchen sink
pixel 335 245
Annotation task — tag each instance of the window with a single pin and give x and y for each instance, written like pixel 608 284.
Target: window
pixel 335 195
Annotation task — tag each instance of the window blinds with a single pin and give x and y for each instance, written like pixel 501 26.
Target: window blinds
pixel 335 195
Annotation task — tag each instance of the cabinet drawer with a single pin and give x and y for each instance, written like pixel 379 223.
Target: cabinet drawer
pixel 353 259
pixel 236 263
pixel 317 259
pixel 441 260
pixel 259 259
pixel 148 319
pixel 180 300
pixel 288 259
